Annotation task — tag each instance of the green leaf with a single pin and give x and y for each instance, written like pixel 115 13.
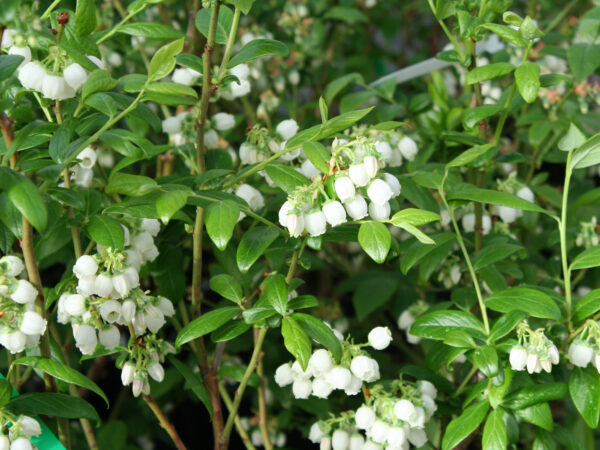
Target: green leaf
pixel 341 122
pixel 59 143
pixel 318 155
pixel 24 195
pixel 98 81
pixel 151 30
pixel 253 244
pixel 258 313
pixel 5 392
pixel 285 177
pixel 588 154
pixel 345 14
pixel 106 231
pixel 461 427
pixel 163 61
pixel 206 323
pixel 102 102
pixel 61 372
pixel 337 85
pixel 493 254
pixel 276 292
pixel 489 72
pixel 505 32
pixel 323 110
pixel 573 139
pixel 414 217
pixel 169 202
pixel 220 218
pixel 303 301
pixel 486 359
pixel 320 332
pixel 422 237
pixel 437 324
pixel 257 49
pixel 227 286
pixel 473 193
pixel 539 415
pixel 505 324
pixel 132 185
pixel 590 257
pixel 527 77
pixel 534 394
pixel 133 82
pixel 52 404
pixel 584 387
pixel 243 5
pixel 193 382
pixel 494 431
pixel 224 21
pixel 416 251
pixel 531 301
pixel 587 305
pixel 375 239
pixel 583 59
pixel 230 330
pixel 167 87
pixel 296 341
pixel 85 17
pixel 8 65
pixel 191 61
pixel 473 116
pixel 460 339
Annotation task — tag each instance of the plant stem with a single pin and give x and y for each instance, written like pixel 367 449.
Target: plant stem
pixel 230 42
pixel 450 36
pixel 238 423
pixel 263 414
pixel 74 229
pixel 239 393
pixel 164 422
pixel 122 22
pixel 50 9
pixel 465 382
pixel 463 248
pixel 563 238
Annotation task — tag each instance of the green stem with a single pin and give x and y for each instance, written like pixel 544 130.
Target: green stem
pixel 563 238
pixel 116 28
pixel 465 381
pixel 450 36
pixel 50 9
pixel 238 423
pixel 230 42
pixel 463 248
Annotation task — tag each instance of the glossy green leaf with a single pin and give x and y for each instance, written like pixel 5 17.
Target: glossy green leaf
pixel 132 185
pixel 207 322
pixel 85 17
pixel 494 431
pixel 150 30
pixel 415 217
pixel 587 306
pixel 588 154
pixel 224 21
pixel 163 61
pixel 258 48
pixel 531 301
pixel 527 77
pixel 573 139
pixel 106 231
pixel 318 155
pixel 276 292
pixel 227 286
pixel 285 177
pixel 317 330
pixel 375 239
pixel 583 59
pixel 489 72
pixel 493 254
pixel 539 415
pixel 220 218
pixel 437 324
pixel 52 404
pixel 167 87
pixel 486 359
pixel 473 116
pixel 461 427
pixel 25 196
pixel 473 193
pixel 98 81
pixel 584 387
pixel 534 394
pixel 296 341
pixel 509 34
pixel 253 244
pixel 505 324
pixel 169 202
pixel 590 257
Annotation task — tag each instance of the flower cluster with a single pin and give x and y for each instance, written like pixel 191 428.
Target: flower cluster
pixel 585 348
pixel 394 418
pixel 261 143
pixel 20 325
pixel 355 166
pixel 534 351
pixel 589 236
pixel 144 361
pixel 322 375
pixel 108 294
pixel 251 425
pixel 507 214
pixel 20 431
pixel 181 128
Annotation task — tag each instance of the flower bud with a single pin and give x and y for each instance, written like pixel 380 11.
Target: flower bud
pixel 127 373
pixel 87 159
pixel 365 368
pixel 325 443
pixel 224 121
pixel 396 437
pixel 393 183
pixel 553 354
pixel 339 377
pixel 11 265
pixel 526 194
pixel 379 212
pixel 25 52
pixel 344 188
pixel 31 75
pixel 32 324
pixel 406 319
pixel 580 353
pixel 15 341
pixel 25 292
pixel 427 388
pixel 380 338
pixel 315 223
pixel 417 437
pixel 283 213
pixel 379 191
pixel 357 442
pixel 151 226
pixel 287 129
pixel 507 214
pixel 156 372
pixel 172 125
pixel 321 388
pixel 55 88
pixel 284 375
pixel 154 318
pixel 21 444
pixel 109 337
pixel 371 165
pixel 405 410
pixel 103 285
pixel 75 76
pixel 86 339
pixel 121 284
pixel 75 305
pixel 533 363
pixel 139 323
pixel 85 266
pixel 357 207
pixel 301 388
pixel 384 150
pixel 138 386
pixel 379 432
pixel 133 278
pixel 358 174
pixel 185 76
pixel 251 195
pixel 340 439
pixel 295 224
pixel 320 361
pixel 142 241
pixel 30 426
pixel 309 170
pixel 86 286
pixel 315 434
pixel 335 214
pixel 355 386
pixel 408 148
pixel 518 358
pixel 128 310
pixel 166 306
